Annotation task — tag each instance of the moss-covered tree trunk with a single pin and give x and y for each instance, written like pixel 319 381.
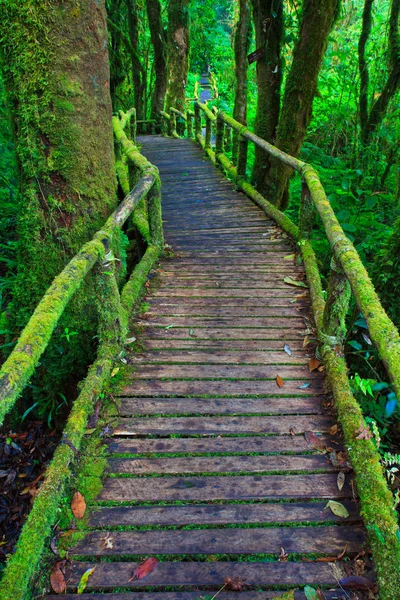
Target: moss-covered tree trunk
pixel 138 70
pixel 178 53
pixel 370 119
pixel 318 17
pixel 241 49
pixel 159 41
pixel 55 65
pixel 268 25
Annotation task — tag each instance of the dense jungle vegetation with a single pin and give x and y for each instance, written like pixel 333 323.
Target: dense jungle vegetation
pixel 326 89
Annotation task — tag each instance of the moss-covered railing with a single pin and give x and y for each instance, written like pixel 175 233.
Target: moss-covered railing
pixel 348 275
pixel 113 311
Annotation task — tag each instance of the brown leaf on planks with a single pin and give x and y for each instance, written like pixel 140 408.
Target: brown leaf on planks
pixel 313 440
pixel 279 381
pixel 57 580
pixel 332 558
pixel 235 584
pixel 283 557
pixel 78 505
pixel 144 569
pixel 313 364
pixel 333 430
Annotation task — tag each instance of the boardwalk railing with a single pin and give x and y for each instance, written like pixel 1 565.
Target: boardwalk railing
pixel 114 309
pixel 348 275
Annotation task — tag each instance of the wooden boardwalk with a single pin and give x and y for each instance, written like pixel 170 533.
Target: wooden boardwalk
pixel 209 466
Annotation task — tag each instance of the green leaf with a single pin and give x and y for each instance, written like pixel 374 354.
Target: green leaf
pixel 84 580
pixel 338 509
pixel 287 596
pixel 310 593
pixel 371 201
pixel 26 413
pixel 349 227
pixel 354 345
pixel 291 281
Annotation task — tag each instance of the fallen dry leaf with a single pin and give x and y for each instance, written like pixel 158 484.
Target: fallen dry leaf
pixel 235 584
pixel 341 478
pixel 313 440
pixel 57 580
pixel 283 556
pixel 78 505
pixel 364 433
pixel 144 569
pixel 295 282
pixel 333 430
pixel 279 381
pixel 313 364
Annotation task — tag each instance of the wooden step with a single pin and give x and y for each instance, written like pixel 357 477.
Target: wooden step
pixel 219 514
pixel 223 425
pixel 235 487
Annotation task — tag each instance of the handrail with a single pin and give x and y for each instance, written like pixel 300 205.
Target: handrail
pixel 347 273
pixel 114 309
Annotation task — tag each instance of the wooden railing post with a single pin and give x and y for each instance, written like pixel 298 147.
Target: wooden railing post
pixel 172 123
pixel 189 117
pixel 164 125
pixel 208 132
pixel 197 120
pixel 242 157
pixel 306 216
pixel 220 135
pixel 228 138
pixel 154 213
pixel 336 307
pixel 133 126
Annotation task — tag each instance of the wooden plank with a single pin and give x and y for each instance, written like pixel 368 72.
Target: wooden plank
pixel 163 371
pixel 192 596
pixel 215 425
pixel 238 345
pixel 218 333
pixel 109 574
pixel 235 487
pixel 164 406
pixel 227 293
pixel 254 444
pixel 219 464
pixel 217 357
pixel 158 387
pixel 229 284
pixel 248 303
pixel 219 514
pixel 253 322
pixel 224 311
pixel 327 540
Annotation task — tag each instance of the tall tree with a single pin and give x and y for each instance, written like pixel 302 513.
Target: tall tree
pixel 372 116
pixel 159 41
pixel 318 17
pixel 268 25
pixel 138 69
pixel 178 53
pixel 59 98
pixel 241 50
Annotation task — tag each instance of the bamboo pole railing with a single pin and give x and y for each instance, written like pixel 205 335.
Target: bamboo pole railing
pixel 348 275
pixel 114 308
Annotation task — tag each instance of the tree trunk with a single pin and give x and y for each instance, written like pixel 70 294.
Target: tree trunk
pixel 241 48
pixel 178 53
pixel 318 17
pixel 380 106
pixel 138 71
pixel 56 71
pixel 268 25
pixel 362 64
pixel 159 41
